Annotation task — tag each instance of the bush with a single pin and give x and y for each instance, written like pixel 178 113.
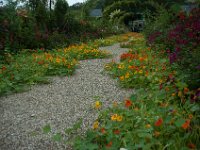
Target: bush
pixel 179 38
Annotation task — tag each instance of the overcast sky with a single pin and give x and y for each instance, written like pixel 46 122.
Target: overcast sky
pixel 71 2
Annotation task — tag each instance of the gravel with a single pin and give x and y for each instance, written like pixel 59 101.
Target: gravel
pixel 61 104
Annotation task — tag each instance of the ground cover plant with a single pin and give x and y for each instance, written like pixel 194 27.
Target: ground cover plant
pixel 163 114
pixel 32 66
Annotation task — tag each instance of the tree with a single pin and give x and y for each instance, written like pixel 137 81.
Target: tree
pixel 61 8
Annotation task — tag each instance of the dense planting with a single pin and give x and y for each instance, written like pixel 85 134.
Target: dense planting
pixel 164 112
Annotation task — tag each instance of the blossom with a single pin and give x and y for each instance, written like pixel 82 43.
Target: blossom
pixel 121 66
pixel 103 130
pixel 109 144
pixel 128 103
pixel 191 146
pixel 41 62
pixel 119 118
pixel 148 126
pixel 190 116
pixel 95 125
pixel 115 104
pixel 3 68
pixel 186 124
pixel 116 131
pixel 156 133
pixel 114 117
pixel 127 75
pixel 121 78
pixel 97 104
pixel 186 90
pixel 158 122
pixel 58 60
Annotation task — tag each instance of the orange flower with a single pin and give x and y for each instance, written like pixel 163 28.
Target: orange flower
pixel 156 133
pixel 116 131
pixel 128 103
pixel 158 122
pixel 3 68
pixel 191 146
pixel 41 62
pixel 148 126
pixel 186 124
pixel 109 144
pixel 190 116
pixel 103 130
pixel 136 108
pixel 167 89
pixel 186 90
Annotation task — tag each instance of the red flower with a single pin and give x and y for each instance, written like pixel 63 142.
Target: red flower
pixel 158 122
pixel 186 124
pixel 109 144
pixel 103 130
pixel 116 131
pixel 41 62
pixel 161 86
pixel 128 103
pixel 181 15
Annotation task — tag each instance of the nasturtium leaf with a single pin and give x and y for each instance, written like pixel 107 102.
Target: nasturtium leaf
pixel 92 147
pixel 57 137
pixel 46 129
pixel 195 108
pixel 133 97
pixel 179 122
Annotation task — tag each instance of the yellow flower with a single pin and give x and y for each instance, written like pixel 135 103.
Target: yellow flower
pixel 95 125
pixel 115 104
pixel 179 93
pixel 140 72
pixel 127 75
pixel 97 104
pixel 148 126
pixel 173 94
pixel 121 78
pixel 156 133
pixel 121 66
pixel 143 67
pixel 119 118
pixel 114 117
pixel 136 108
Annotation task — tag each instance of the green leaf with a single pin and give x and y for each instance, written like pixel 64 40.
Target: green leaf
pixel 92 146
pixel 133 97
pixel 179 122
pixel 144 135
pixel 57 137
pixel 46 129
pixel 195 108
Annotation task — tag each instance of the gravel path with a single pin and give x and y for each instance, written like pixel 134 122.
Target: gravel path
pixel 61 104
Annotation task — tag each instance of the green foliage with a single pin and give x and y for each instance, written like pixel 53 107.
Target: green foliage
pixel 160 115
pixel 61 8
pixel 46 129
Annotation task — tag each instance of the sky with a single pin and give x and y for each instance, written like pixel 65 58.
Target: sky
pixel 71 2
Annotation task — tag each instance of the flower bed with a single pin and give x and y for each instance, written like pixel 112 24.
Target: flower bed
pixel 163 114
